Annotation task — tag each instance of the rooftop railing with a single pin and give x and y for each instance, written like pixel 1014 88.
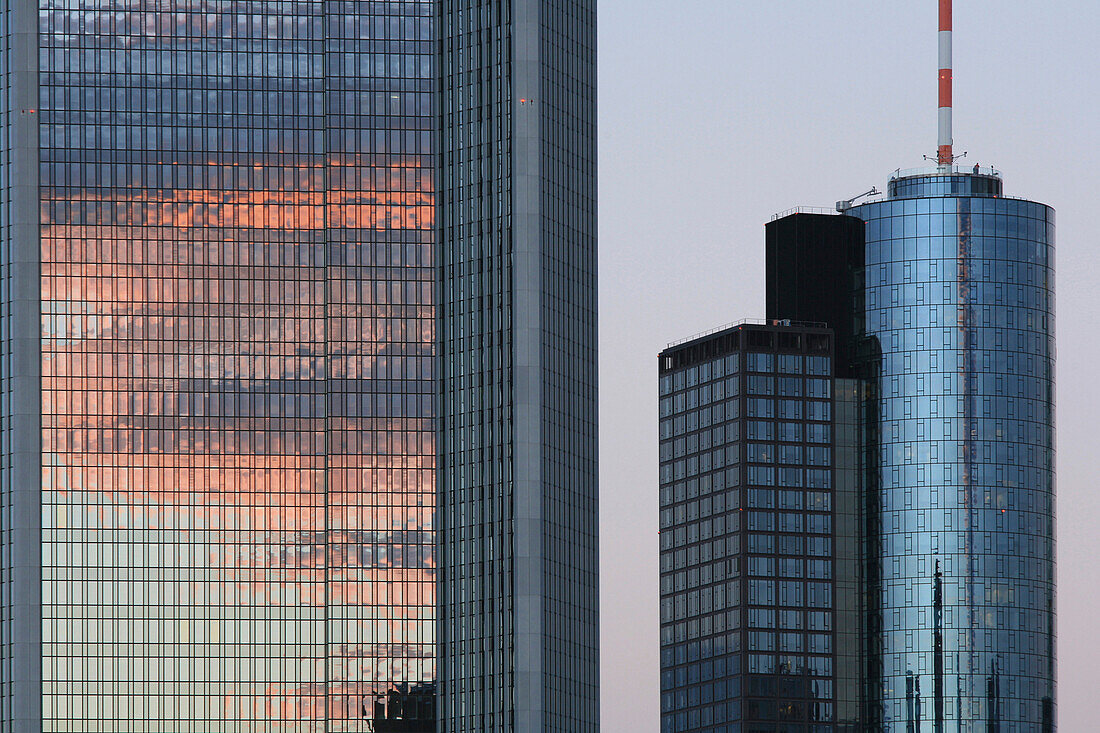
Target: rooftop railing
pixel 946 170
pixel 803 210
pixel 749 322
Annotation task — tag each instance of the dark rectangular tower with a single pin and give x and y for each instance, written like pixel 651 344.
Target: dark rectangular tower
pixel 756 448
pixel 810 264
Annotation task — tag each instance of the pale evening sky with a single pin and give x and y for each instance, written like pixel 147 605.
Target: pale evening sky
pixel 716 114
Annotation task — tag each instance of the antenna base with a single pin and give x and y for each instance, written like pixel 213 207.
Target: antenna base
pixel 945 160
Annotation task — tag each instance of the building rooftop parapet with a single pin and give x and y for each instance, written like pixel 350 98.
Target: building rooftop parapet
pixel 946 170
pixel 748 322
pixel 804 210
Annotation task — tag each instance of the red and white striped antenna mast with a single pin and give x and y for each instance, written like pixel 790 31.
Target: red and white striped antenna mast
pixel 945 156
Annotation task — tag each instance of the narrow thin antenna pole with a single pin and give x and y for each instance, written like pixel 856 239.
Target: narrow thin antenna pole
pixel 945 155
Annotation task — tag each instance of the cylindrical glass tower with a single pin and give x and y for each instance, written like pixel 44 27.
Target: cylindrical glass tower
pixel 958 313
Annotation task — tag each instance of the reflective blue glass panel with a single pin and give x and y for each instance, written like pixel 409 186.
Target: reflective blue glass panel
pixel 958 302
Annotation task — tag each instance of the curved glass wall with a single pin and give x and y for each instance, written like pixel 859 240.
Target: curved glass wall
pixel 958 311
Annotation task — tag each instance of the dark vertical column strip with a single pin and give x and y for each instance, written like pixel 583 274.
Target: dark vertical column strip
pixel 477 387
pixel 937 648
pixel 993 695
pixel 325 361
pixel 22 233
pixel 325 440
pixel 1048 700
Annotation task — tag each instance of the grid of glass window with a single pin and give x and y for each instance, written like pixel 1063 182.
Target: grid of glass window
pixel 477 624
pixel 958 296
pixel 747 556
pixel 517 269
pixel 567 302
pixel 237 387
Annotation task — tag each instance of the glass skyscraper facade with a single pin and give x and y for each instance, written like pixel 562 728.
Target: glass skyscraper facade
pixel 517 270
pixel 235 265
pixel 753 635
pixel 942 458
pixel 957 297
pixel 221 377
pixel 949 288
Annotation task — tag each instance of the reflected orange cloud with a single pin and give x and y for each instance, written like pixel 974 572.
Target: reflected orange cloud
pixel 198 208
pixel 293 500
